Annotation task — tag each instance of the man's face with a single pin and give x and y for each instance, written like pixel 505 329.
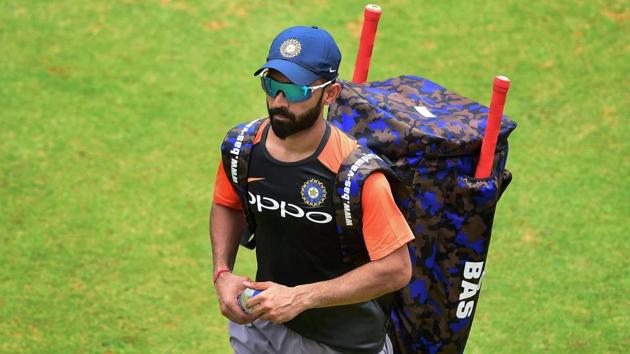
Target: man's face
pixel 288 118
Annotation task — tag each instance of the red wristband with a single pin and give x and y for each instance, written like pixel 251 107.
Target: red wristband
pixel 218 273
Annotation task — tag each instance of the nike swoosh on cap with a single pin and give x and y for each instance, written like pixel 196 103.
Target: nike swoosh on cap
pixel 254 179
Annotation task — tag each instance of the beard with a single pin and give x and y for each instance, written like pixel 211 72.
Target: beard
pixel 291 124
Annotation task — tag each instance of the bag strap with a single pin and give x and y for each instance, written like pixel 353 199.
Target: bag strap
pixel 235 151
pixel 353 172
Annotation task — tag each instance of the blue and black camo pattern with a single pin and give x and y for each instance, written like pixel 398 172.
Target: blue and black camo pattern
pixel 235 151
pixel 432 137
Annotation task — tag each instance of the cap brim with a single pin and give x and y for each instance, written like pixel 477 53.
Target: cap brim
pixel 294 72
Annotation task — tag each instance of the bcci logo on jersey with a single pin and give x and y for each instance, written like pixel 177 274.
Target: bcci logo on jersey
pixel 313 193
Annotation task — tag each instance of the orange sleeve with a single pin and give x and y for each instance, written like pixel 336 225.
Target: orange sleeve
pixel 224 193
pixel 384 227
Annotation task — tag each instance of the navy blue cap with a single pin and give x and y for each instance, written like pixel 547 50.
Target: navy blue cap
pixel 303 55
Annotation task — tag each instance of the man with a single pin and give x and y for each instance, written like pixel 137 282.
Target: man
pixel 311 301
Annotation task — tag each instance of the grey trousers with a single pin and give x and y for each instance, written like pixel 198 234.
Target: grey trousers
pixel 264 337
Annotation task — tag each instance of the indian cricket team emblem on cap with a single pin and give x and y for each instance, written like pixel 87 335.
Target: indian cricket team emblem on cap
pixel 313 192
pixel 290 48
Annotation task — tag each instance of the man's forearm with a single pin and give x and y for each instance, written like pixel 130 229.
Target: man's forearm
pixel 367 282
pixel 226 228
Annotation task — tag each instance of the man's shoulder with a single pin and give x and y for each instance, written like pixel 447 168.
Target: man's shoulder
pixel 247 126
pixel 347 141
pixel 237 146
pixel 339 146
pixel 343 149
pixel 246 131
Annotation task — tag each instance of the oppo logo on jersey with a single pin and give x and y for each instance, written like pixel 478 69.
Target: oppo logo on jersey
pixel 288 209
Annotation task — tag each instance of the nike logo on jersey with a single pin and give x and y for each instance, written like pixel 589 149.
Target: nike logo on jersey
pixel 254 179
pixel 331 70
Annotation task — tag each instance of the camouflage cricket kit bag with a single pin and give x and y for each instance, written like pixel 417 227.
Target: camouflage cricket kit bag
pixel 431 138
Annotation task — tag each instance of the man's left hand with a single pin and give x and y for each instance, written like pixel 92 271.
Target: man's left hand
pixel 276 303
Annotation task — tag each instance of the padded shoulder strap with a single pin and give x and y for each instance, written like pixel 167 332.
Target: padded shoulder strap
pixel 352 174
pixel 235 151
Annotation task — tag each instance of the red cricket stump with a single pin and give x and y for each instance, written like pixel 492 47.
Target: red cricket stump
pixel 371 15
pixel 493 125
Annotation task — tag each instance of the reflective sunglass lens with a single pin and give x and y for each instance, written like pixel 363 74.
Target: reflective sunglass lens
pixel 292 92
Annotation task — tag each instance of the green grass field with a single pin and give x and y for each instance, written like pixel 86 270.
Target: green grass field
pixel 111 116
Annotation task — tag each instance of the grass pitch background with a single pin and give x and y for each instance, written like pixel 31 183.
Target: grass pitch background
pixel 111 116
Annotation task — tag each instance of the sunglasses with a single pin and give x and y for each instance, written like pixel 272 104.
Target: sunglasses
pixel 292 92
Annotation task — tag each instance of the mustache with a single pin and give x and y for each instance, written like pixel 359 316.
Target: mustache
pixel 283 112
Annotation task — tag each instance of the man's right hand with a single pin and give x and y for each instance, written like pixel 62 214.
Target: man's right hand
pixel 228 287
